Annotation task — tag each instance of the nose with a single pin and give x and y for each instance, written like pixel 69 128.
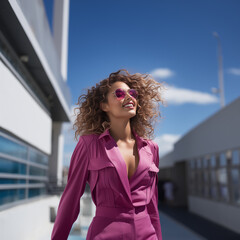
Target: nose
pixel 128 95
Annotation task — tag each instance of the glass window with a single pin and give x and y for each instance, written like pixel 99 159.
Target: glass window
pixel 12 181
pixel 214 194
pixel 224 193
pixel 236 194
pixel 235 185
pixel 206 191
pixel 213 176
pixel 213 161
pixel 36 171
pixel 205 176
pixel 33 192
pixel 38 157
pixel 223 159
pixel 8 166
pixel 12 148
pixel 235 157
pixel 199 163
pixel 11 195
pixel 36 181
pixel 235 176
pixel 192 163
pixel 205 162
pixel 222 176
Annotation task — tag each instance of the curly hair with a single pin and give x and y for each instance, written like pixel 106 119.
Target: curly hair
pixel 91 119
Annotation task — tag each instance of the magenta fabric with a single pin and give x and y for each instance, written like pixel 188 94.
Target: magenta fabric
pixel 125 208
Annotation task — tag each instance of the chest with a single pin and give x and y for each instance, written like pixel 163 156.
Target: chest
pixel 130 155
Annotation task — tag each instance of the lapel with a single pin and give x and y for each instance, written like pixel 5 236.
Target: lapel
pixel 113 154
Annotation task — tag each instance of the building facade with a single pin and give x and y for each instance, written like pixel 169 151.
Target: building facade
pixel 205 168
pixel 34 102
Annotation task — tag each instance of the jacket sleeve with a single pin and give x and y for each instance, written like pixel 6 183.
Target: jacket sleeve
pixel 69 204
pixel 152 207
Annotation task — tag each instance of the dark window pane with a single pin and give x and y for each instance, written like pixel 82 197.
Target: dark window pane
pixel 235 185
pixel 192 163
pixel 213 161
pixel 37 171
pixel 12 181
pixel 37 181
pixel 205 176
pixel 33 192
pixel 223 159
pixel 214 194
pixel 11 148
pixel 11 195
pixel 235 176
pixel 205 162
pixel 8 166
pixel 38 157
pixel 206 191
pixel 213 177
pixel 235 157
pixel 199 163
pixel 224 193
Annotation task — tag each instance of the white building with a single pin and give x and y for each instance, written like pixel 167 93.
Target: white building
pixel 34 102
pixel 205 167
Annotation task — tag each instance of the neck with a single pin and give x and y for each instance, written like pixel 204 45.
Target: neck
pixel 121 131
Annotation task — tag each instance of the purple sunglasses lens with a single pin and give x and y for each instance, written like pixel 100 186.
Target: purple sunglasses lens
pixel 133 93
pixel 120 93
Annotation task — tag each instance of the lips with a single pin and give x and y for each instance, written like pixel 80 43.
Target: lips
pixel 129 104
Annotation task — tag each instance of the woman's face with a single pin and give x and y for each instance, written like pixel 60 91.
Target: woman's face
pixel 120 108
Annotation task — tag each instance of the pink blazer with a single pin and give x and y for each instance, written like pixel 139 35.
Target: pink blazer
pixel 125 208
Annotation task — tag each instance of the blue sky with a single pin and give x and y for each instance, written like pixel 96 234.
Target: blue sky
pixel 170 39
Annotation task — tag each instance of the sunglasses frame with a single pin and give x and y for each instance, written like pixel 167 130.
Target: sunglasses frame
pixel 125 93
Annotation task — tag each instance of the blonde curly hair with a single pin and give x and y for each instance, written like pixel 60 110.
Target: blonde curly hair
pixel 91 119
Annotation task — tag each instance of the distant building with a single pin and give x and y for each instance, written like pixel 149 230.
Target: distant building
pixel 34 102
pixel 205 168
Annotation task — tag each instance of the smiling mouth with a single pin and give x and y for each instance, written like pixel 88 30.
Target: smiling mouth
pixel 128 105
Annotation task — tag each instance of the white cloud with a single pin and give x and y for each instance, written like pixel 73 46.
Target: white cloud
pixel 234 71
pixel 162 73
pixel 177 96
pixel 166 142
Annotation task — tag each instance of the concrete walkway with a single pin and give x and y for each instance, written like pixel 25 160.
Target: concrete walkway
pixel 172 230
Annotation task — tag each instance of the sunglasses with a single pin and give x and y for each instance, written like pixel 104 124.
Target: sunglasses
pixel 121 94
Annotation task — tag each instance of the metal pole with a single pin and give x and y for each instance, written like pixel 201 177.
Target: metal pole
pixel 220 70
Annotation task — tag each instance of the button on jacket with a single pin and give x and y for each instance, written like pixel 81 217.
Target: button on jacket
pixel 125 208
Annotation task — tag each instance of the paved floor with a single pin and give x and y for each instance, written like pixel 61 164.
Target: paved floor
pixel 201 226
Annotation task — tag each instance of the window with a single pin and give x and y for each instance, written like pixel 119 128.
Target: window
pixel 235 157
pixel 213 161
pixel 216 176
pixel 223 159
pixel 21 166
pixel 12 148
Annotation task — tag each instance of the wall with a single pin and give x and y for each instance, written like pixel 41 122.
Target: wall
pixel 21 114
pixel 223 214
pixel 28 221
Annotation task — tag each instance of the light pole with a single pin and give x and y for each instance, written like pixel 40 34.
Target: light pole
pixel 220 70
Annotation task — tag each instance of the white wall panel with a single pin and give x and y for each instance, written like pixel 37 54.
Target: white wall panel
pixel 223 214
pixel 21 114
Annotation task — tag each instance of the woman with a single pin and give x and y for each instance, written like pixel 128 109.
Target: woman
pixel 116 159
